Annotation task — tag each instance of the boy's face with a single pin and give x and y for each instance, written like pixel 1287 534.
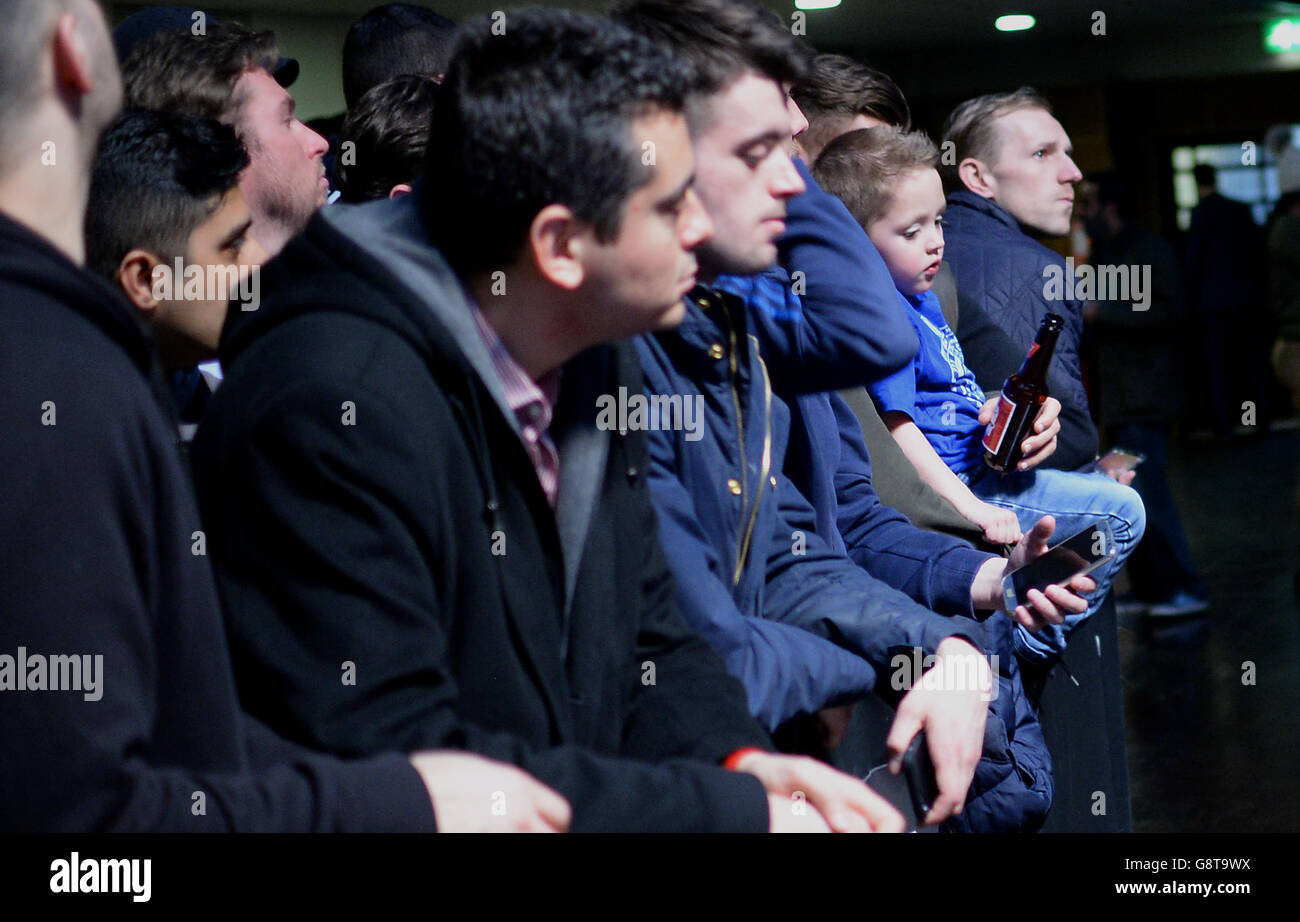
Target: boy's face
pixel 637 280
pixel 745 174
pixel 909 235
pixel 190 329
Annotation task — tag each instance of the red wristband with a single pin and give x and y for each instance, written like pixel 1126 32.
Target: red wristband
pixel 730 761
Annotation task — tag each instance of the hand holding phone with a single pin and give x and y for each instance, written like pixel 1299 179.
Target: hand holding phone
pixel 1077 555
pixel 1118 460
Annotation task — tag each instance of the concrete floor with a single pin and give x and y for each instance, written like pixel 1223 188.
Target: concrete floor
pixel 1207 751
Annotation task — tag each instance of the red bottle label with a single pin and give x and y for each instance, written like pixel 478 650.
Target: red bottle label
pixel 998 427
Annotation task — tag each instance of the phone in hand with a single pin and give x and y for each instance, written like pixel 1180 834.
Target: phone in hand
pixel 1077 555
pixel 913 791
pixel 1117 460
pixel 918 769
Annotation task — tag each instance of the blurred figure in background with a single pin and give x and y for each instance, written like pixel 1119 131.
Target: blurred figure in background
pixel 1284 293
pixel 1225 268
pixel 1139 388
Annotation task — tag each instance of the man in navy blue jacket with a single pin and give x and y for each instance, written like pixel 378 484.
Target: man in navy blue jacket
pixel 755 577
pixel 1014 176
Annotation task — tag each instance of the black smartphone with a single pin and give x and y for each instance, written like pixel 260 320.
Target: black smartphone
pixel 1077 555
pixel 918 769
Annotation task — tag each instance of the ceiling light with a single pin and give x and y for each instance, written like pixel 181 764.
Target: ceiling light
pixel 1014 22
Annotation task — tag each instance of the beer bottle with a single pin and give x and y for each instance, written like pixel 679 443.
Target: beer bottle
pixel 1023 395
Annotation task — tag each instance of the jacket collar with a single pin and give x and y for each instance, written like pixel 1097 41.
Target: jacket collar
pixel 393 234
pixel 964 198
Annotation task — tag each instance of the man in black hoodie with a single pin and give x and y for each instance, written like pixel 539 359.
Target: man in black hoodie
pixel 117 703
pixel 422 534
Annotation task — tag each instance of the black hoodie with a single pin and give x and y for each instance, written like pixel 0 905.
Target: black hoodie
pixel 97 538
pixel 393 573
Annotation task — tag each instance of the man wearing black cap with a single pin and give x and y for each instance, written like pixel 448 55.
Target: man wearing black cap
pixel 179 60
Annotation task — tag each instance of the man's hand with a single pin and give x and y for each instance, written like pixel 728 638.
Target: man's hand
pixel 1038 447
pixel 785 814
pixel 1050 607
pixel 834 723
pixel 953 719
pixel 1043 609
pixel 799 786
pixel 474 794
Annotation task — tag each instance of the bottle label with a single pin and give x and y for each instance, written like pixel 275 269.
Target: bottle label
pixel 998 427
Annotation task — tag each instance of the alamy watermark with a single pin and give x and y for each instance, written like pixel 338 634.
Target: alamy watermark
pixel 951 672
pixel 1098 283
pixel 58 672
pixel 653 413
pixel 75 874
pixel 195 282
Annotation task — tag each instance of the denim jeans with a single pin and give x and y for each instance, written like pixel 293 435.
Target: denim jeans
pixel 1074 500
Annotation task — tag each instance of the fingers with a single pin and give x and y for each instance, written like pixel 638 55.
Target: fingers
pixel 1066 600
pixel 553 810
pixel 954 767
pixel 1044 606
pixel 1040 534
pixel 1029 619
pixel 907 723
pixel 1083 585
pixel 986 411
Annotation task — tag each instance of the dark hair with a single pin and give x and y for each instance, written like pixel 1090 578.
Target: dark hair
pixel 1205 174
pixel 391 40
pixel 389 131
pixel 836 89
pixel 721 39
pixel 862 167
pixel 196 74
pixel 971 130
pixel 540 114
pixel 156 178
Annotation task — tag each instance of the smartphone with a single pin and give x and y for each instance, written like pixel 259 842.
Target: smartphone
pixel 918 769
pixel 1077 555
pixel 913 791
pixel 1118 459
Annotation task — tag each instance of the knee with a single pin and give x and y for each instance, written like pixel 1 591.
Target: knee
pixel 1127 508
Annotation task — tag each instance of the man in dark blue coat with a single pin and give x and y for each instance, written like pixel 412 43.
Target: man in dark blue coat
pixel 1014 177
pixel 758 576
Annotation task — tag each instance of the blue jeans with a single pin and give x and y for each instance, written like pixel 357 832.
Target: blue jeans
pixel 1074 500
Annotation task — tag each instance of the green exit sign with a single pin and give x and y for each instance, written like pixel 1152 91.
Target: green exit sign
pixel 1282 35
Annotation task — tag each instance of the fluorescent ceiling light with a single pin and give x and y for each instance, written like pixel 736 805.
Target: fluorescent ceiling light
pixel 1014 22
pixel 815 4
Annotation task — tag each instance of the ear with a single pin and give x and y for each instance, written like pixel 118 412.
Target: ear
pixel 556 241
pixel 72 70
pixel 977 177
pixel 402 188
pixel 135 275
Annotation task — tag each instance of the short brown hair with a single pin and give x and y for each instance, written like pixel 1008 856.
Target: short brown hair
pixel 196 75
pixel 861 167
pixel 838 88
pixel 970 127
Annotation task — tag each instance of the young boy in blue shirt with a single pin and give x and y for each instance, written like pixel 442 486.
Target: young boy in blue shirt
pixel 932 406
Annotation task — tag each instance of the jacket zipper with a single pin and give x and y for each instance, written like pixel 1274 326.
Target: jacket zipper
pixel 766 468
pixel 742 546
